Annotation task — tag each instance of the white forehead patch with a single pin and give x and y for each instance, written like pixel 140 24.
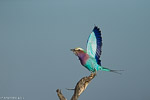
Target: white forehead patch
pixel 79 49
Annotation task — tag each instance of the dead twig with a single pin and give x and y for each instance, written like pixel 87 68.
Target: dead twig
pixel 80 87
pixel 60 95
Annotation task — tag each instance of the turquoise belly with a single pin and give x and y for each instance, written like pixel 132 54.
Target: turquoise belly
pixel 92 65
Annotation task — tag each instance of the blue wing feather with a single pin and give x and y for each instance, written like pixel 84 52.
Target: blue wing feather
pixel 94 44
pixel 97 32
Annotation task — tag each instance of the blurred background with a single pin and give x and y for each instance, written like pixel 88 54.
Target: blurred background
pixel 36 37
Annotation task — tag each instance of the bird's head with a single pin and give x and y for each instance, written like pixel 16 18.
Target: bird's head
pixel 77 51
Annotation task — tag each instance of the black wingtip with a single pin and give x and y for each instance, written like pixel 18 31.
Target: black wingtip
pixel 95 26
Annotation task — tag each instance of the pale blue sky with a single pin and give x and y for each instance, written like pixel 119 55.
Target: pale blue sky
pixel 36 37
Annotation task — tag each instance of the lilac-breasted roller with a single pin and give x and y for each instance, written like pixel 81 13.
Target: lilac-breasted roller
pixel 90 58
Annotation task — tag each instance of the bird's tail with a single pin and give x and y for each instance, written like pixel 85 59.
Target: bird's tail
pixel 109 70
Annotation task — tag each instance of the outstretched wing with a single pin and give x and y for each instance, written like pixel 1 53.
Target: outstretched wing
pixel 94 44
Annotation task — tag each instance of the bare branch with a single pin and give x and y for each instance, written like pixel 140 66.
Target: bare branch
pixel 79 88
pixel 60 95
pixel 81 85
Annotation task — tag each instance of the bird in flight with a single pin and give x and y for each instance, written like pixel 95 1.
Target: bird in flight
pixel 90 58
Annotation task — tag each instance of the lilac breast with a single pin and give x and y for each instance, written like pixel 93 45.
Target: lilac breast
pixel 83 57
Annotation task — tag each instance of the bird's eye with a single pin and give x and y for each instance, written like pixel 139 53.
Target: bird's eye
pixel 78 49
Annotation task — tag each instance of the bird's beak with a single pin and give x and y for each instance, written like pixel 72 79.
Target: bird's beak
pixel 72 50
